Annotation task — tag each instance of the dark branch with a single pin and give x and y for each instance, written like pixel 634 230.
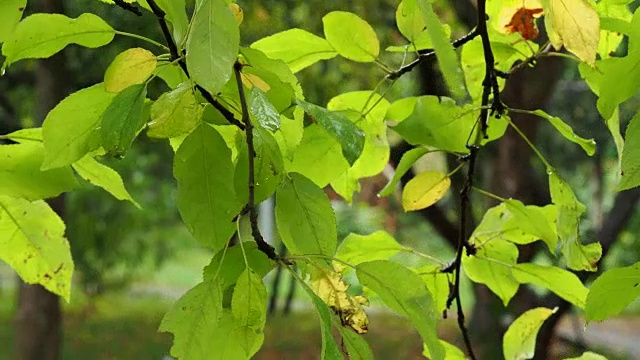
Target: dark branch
pixel 253 213
pixel 177 56
pixel 128 7
pixel 428 53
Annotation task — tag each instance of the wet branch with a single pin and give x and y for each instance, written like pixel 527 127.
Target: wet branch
pixel 428 53
pixel 496 109
pixel 177 56
pixel 251 205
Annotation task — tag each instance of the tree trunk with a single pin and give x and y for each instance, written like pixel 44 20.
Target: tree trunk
pixel 38 320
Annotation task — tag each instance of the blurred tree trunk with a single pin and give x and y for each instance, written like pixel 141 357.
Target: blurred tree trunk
pixel 38 320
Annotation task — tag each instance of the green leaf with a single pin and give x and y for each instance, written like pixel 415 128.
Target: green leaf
pixel 532 220
pixel 263 111
pixel 451 352
pixel 194 321
pixel 305 218
pixel 26 135
pixel 490 266
pixel 10 14
pixel 612 292
pixel 449 126
pixel 578 256
pixel 356 249
pixel 42 35
pixel 290 134
pixel 351 137
pixel 123 119
pixel 405 293
pixel 277 69
pixel 132 66
pixel 519 340
pixel 318 156
pixel 611 37
pixel 561 282
pixel 249 301
pixel 352 37
pixel 438 284
pixel 175 113
pixel 499 223
pixel 375 152
pixel 206 196
pixel 212 45
pixel 406 162
pixel 424 190
pixel 409 20
pixel 630 162
pixel 103 176
pixel 620 81
pixel 176 14
pixel 21 176
pixel 296 47
pixel 33 244
pixel 171 74
pixel 588 355
pixel 447 58
pixel 71 129
pixel 357 347
pixel 268 167
pixel 588 145
pixel 330 350
pixel 227 265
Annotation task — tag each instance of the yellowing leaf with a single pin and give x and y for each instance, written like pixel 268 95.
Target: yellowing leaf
pixel 519 340
pixel 574 24
pixel 130 67
pixel 424 190
pixel 329 287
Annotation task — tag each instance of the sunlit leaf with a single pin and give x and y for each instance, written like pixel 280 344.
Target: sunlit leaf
pixel 519 340
pixel 132 66
pixel 72 129
pixel 206 195
pixel 33 244
pixel 403 291
pixel 42 35
pixel 103 176
pixel 588 145
pixel 249 301
pixel 451 352
pixel 351 36
pixel 263 111
pixel 305 218
pixel 424 190
pixel 532 220
pixel 356 249
pixel 21 175
pixel 562 282
pixel 612 292
pixel 588 355
pixel 10 14
pixel 630 162
pixel 26 135
pixel 212 45
pixel 574 24
pixel 356 345
pixel 491 266
pixel 406 162
pixel 296 47
pixel 175 113
pixel 228 264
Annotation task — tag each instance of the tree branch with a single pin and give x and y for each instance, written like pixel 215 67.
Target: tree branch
pixel 176 55
pixel 428 53
pixel 251 206
pixel 128 7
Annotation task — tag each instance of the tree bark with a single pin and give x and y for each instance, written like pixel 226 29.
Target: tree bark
pixel 38 319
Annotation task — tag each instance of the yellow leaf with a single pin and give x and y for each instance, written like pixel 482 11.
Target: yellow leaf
pixel 329 287
pixel 250 80
pixel 574 24
pixel 424 190
pixel 130 67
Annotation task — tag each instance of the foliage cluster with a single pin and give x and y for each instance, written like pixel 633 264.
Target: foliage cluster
pixel 243 131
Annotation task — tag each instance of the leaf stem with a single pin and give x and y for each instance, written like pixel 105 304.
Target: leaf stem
pixel 488 194
pixel 533 147
pixel 140 37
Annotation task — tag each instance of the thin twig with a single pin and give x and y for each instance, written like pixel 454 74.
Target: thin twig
pixel 128 7
pixel 253 213
pixel 428 53
pixel 176 55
